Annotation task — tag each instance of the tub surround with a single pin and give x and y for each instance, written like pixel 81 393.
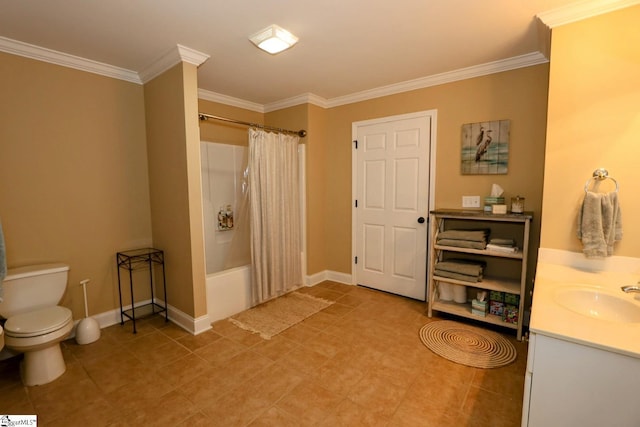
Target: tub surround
pixel 557 268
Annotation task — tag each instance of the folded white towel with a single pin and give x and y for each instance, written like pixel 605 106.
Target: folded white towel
pixel 502 242
pixel 599 224
pixel 502 248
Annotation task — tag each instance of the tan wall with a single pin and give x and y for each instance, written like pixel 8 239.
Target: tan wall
pixel 519 95
pixel 173 142
pixel 73 174
pixel 320 176
pixel 194 171
pixel 593 122
pixel 120 210
pixel 223 132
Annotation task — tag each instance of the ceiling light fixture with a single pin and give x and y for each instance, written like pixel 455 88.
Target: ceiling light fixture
pixel 273 39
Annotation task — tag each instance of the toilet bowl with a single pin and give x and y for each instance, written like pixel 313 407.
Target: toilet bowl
pixel 38 334
pixel 35 325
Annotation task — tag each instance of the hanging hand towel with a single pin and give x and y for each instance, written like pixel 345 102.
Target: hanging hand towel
pixel 599 224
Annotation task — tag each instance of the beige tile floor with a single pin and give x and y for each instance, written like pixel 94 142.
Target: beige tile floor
pixel 359 362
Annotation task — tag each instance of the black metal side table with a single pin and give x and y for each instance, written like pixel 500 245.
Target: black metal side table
pixel 136 259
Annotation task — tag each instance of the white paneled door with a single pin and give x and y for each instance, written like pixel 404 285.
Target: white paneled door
pixel 391 173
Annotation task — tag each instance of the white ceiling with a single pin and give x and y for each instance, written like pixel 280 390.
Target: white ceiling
pixel 345 47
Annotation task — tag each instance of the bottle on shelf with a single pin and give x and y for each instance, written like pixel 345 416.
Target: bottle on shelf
pixel 222 219
pixel 229 217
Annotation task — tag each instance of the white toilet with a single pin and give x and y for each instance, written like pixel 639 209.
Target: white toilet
pixel 35 325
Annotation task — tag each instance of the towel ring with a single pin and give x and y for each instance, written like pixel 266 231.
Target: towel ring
pixel 600 175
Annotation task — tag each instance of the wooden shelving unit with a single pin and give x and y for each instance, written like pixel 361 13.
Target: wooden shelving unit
pixel 440 220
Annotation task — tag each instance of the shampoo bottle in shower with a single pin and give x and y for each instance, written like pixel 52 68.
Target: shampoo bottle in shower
pixel 222 219
pixel 229 216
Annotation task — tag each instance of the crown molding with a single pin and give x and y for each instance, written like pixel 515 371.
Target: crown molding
pixel 168 60
pixel 173 57
pixel 229 100
pixel 306 98
pixel 182 53
pixel 582 10
pixel 513 63
pixel 526 60
pixel 192 56
pixel 38 53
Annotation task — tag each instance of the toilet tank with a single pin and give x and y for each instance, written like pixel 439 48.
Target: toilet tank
pixel 33 287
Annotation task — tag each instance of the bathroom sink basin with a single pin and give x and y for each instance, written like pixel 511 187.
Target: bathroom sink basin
pixel 599 304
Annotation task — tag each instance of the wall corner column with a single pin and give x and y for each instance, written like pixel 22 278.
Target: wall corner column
pixel 173 150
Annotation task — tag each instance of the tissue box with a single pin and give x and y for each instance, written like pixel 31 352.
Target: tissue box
pixel 499 209
pixel 496 308
pixel 512 299
pixel 510 314
pixel 480 305
pixel 496 296
pixel 490 201
pixel 479 308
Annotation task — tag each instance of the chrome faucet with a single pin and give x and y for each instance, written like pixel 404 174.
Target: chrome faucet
pixel 631 288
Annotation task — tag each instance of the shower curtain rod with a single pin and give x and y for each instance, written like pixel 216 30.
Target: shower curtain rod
pixel 301 133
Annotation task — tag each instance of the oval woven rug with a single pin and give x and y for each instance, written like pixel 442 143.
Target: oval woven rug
pixel 467 345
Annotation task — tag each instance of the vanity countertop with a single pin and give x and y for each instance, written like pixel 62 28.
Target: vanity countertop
pixel 558 269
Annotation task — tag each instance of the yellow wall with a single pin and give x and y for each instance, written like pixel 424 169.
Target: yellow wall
pixel 121 191
pixel 223 132
pixel 73 174
pixel 320 176
pixel 593 122
pixel 519 95
pixel 78 185
pixel 173 142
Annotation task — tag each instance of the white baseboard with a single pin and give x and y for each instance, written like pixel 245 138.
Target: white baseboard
pixel 201 324
pixel 334 276
pixel 188 323
pixel 112 317
pixel 344 278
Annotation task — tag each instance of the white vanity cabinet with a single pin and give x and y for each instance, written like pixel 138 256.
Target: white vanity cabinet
pixel 569 384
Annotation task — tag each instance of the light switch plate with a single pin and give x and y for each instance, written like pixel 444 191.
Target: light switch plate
pixel 470 201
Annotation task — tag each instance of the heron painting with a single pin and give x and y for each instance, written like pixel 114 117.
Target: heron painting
pixel 485 148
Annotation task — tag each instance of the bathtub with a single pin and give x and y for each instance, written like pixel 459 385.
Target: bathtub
pixel 228 292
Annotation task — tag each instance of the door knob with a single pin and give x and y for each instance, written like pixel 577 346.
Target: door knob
pixel 421 220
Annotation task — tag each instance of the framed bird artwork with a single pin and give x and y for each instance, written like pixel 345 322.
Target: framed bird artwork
pixel 485 148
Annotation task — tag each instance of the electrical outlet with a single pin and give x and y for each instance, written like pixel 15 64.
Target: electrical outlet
pixel 470 201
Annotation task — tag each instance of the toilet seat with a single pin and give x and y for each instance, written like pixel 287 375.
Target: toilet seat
pixel 38 322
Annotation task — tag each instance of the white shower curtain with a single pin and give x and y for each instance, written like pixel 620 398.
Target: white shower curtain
pixel 274 195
